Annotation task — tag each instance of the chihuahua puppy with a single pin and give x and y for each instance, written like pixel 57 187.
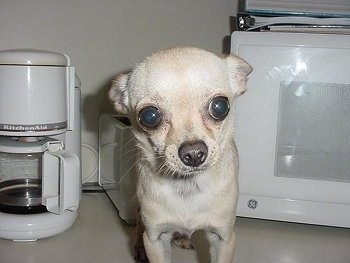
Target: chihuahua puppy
pixel 180 104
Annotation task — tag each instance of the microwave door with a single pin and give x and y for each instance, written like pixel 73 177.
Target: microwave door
pixel 292 128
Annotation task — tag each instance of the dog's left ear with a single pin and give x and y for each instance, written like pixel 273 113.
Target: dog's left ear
pixel 238 72
pixel 118 93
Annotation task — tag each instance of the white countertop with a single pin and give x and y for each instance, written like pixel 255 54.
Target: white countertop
pixel 99 235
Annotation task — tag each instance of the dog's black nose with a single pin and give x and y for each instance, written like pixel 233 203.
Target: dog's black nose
pixel 193 153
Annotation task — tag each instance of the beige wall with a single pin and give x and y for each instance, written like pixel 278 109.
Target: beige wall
pixel 104 37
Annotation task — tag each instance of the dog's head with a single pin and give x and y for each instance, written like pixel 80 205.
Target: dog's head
pixel 179 102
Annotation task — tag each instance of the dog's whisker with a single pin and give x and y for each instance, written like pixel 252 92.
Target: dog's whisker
pixel 127 171
pixel 126 144
pixel 162 167
pixel 173 173
pixel 131 154
pixel 130 149
pixel 132 138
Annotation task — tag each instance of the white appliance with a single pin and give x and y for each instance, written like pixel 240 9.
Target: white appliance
pixel 293 127
pixel 117 160
pixel 40 144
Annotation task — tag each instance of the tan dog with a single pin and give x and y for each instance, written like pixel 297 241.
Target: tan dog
pixel 179 102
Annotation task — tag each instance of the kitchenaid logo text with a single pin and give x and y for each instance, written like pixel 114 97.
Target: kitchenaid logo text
pixel 35 127
pixel 24 128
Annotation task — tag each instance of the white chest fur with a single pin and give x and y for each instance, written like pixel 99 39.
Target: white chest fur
pixel 206 201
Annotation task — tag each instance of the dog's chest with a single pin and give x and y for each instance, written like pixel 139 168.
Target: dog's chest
pixel 193 206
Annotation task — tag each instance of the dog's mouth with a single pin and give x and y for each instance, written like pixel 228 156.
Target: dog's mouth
pixel 188 173
pixel 172 171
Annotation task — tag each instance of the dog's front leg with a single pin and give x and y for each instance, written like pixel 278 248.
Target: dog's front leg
pixel 158 247
pixel 222 247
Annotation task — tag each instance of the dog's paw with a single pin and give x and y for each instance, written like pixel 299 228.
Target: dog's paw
pixel 140 254
pixel 182 241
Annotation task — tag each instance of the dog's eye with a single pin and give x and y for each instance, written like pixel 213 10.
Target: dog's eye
pixel 219 108
pixel 150 117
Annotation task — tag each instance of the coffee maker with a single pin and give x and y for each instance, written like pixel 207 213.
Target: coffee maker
pixel 40 144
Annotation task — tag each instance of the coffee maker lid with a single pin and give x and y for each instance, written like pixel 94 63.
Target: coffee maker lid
pixel 33 57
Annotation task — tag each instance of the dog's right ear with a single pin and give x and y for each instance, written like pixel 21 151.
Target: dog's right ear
pixel 239 70
pixel 118 93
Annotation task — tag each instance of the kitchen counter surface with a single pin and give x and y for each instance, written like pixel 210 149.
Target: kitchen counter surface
pixel 99 235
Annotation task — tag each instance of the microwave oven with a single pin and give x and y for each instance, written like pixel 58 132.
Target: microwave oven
pixel 292 127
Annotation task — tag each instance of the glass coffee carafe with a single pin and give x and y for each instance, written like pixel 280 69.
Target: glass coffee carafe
pixel 21 175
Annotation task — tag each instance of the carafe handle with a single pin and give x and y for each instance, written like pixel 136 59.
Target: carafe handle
pixel 60 179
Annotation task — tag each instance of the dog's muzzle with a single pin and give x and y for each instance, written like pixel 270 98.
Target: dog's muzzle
pixel 193 153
